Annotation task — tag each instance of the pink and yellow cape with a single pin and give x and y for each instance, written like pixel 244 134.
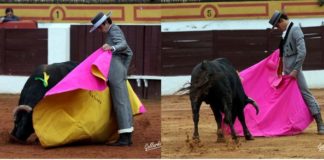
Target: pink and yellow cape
pixel 79 107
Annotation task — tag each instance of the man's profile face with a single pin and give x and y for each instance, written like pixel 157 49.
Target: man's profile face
pixel 281 25
pixel 9 14
pixel 104 27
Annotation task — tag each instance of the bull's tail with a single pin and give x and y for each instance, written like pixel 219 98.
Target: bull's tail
pixel 254 104
pixel 185 90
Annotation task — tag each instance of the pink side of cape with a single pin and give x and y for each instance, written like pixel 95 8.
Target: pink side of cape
pixel 282 108
pixel 142 109
pixel 82 78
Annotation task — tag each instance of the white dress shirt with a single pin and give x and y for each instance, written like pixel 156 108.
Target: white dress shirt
pixel 284 32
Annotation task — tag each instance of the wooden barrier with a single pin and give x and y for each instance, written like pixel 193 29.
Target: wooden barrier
pixel 181 51
pixel 156 53
pixel 21 50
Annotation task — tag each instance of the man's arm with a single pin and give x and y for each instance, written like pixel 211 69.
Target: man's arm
pixel 118 39
pixel 298 36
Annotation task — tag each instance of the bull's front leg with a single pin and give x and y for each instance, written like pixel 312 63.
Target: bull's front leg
pixel 195 105
pixel 218 119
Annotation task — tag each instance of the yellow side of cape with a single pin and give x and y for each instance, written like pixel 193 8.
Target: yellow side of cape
pixel 78 116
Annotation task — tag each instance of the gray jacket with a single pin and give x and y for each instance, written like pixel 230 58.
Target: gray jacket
pixel 294 50
pixel 116 39
pixel 294 53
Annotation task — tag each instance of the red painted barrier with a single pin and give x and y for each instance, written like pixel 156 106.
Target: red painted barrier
pixel 23 24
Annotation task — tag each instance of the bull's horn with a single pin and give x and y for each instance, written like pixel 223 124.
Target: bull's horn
pixel 22 107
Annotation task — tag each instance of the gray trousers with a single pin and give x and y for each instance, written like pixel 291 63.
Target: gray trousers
pixel 307 95
pixel 117 83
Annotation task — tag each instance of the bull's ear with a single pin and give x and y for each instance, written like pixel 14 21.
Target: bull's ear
pixel 204 65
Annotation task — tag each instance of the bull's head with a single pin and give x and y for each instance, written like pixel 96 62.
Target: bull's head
pixel 204 81
pixel 23 123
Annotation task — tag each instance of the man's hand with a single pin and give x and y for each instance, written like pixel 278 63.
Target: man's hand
pixel 106 47
pixel 294 73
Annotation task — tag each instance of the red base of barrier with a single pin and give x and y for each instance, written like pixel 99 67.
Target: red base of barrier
pixel 23 24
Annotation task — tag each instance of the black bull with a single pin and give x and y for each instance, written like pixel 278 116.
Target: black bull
pixel 218 84
pixel 32 92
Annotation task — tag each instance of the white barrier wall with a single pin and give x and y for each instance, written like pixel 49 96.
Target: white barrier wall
pixel 12 84
pixel 232 24
pixel 58 45
pixel 171 84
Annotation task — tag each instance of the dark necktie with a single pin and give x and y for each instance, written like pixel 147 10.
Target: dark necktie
pixel 280 67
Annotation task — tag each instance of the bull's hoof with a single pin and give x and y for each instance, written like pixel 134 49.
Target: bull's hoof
pixel 249 137
pixel 220 139
pixel 196 141
pixel 36 141
pixel 220 136
pixel 13 139
pixel 195 137
pixel 236 140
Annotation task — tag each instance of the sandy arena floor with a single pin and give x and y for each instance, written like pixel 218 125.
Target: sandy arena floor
pixel 147 131
pixel 176 134
pixel 177 129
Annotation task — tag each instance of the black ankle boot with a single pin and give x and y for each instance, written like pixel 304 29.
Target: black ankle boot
pixel 130 139
pixel 125 139
pixel 319 122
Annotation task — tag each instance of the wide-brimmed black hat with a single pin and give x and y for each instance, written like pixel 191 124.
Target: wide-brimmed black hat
pixel 99 19
pixel 275 18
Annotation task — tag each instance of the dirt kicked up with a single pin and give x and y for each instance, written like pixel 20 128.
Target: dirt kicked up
pixel 146 138
pixel 177 129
